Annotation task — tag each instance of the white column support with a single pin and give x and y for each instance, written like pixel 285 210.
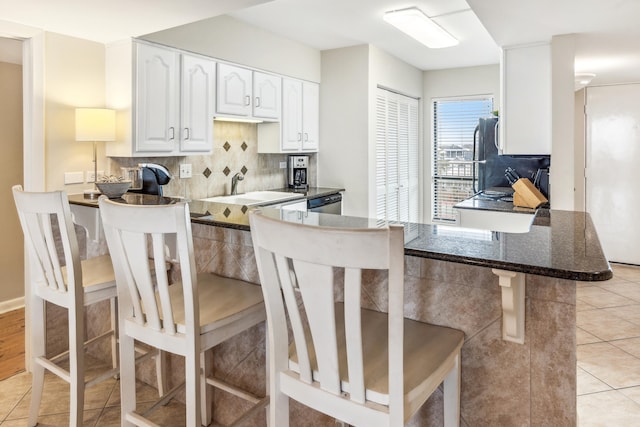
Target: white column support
pixel 513 308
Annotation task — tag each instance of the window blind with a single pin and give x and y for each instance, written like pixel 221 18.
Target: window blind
pixel 454 122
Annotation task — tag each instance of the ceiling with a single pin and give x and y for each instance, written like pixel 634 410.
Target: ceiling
pixel 607 34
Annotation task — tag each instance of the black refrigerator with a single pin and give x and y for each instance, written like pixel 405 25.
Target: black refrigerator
pixel 489 166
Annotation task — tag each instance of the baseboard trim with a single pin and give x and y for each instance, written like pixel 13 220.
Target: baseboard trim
pixel 12 304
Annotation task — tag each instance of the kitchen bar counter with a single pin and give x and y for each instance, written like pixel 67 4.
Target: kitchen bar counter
pixel 472 280
pixel 560 244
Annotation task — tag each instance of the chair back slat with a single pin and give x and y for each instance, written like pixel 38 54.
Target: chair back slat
pixel 46 219
pixel 311 255
pixel 316 288
pixel 353 332
pixel 133 232
pixel 285 275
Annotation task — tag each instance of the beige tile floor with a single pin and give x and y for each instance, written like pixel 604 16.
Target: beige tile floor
pixel 102 402
pixel 608 339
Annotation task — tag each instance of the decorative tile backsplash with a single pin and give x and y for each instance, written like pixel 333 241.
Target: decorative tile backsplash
pixel 235 149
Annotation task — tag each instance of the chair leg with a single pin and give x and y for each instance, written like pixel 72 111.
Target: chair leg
pixel 114 337
pixel 127 378
pixel 192 379
pixel 76 365
pixel 452 396
pixel 38 349
pixel 206 392
pixel 161 374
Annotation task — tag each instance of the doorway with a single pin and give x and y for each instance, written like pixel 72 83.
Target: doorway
pixel 612 160
pixel 11 172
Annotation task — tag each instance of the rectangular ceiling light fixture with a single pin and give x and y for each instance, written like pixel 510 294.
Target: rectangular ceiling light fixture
pixel 413 22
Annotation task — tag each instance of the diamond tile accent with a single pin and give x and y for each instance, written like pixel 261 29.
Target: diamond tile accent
pixel 226 212
pixel 206 172
pixel 244 209
pixel 244 170
pixel 226 171
pixel 244 146
pixel 226 146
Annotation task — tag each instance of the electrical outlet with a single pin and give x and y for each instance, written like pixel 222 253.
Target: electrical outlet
pixel 73 178
pixel 185 170
pixel 91 178
pixel 283 165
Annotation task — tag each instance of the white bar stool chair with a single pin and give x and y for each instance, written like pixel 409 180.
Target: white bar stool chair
pixel 186 318
pixel 363 367
pixel 69 283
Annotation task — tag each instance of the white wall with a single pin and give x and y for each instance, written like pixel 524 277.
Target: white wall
pixel 579 150
pixel 229 39
pixel 74 77
pixel 563 162
pixel 344 115
pixel 482 80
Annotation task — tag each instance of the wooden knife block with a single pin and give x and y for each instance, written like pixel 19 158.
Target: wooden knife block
pixel 526 194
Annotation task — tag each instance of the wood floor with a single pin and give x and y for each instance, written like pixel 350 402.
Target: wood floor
pixel 11 343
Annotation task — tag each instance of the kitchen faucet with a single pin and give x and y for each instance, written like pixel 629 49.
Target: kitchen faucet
pixel 234 183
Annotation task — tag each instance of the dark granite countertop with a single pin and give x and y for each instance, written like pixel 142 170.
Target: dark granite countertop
pixel 560 244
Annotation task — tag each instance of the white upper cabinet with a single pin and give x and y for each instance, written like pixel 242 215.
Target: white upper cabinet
pixel 267 95
pixel 246 93
pixel 525 116
pixel 298 130
pixel 235 89
pixel 168 107
pixel 198 86
pixel 157 97
pixel 310 116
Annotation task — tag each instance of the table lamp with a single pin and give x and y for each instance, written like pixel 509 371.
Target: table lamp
pixel 93 125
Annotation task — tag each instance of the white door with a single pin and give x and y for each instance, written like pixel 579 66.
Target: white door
pixel 613 158
pixel 157 92
pixel 198 91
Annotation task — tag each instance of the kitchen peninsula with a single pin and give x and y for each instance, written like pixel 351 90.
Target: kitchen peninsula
pixel 454 277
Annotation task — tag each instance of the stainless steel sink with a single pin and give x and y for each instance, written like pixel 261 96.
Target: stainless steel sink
pixel 254 198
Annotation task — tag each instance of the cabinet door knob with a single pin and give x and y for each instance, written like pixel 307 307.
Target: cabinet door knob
pixel 299 136
pixel 173 133
pixel 257 101
pixel 306 136
pixel 187 134
pixel 247 100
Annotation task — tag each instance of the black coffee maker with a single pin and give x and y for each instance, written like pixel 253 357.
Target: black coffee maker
pixel 154 176
pixel 298 171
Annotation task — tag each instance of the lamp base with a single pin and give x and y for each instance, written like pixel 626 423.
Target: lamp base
pixel 92 194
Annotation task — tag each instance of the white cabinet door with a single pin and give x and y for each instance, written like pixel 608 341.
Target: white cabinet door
pixel 267 95
pixel 310 116
pixel 197 106
pixel 157 97
pixel 234 90
pixel 291 115
pixel 525 119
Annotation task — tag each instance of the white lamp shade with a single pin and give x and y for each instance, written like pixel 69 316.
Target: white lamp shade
pixel 95 124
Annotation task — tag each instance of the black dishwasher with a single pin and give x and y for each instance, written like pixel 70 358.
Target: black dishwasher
pixel 331 204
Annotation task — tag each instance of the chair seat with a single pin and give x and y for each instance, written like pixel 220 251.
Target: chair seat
pixel 227 301
pixel 97 274
pixel 426 348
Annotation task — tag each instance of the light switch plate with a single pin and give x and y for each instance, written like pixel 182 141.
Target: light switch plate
pixel 73 178
pixel 185 170
pixel 90 177
pixel 283 165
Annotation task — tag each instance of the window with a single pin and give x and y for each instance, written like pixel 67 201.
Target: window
pixel 397 158
pixel 454 122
